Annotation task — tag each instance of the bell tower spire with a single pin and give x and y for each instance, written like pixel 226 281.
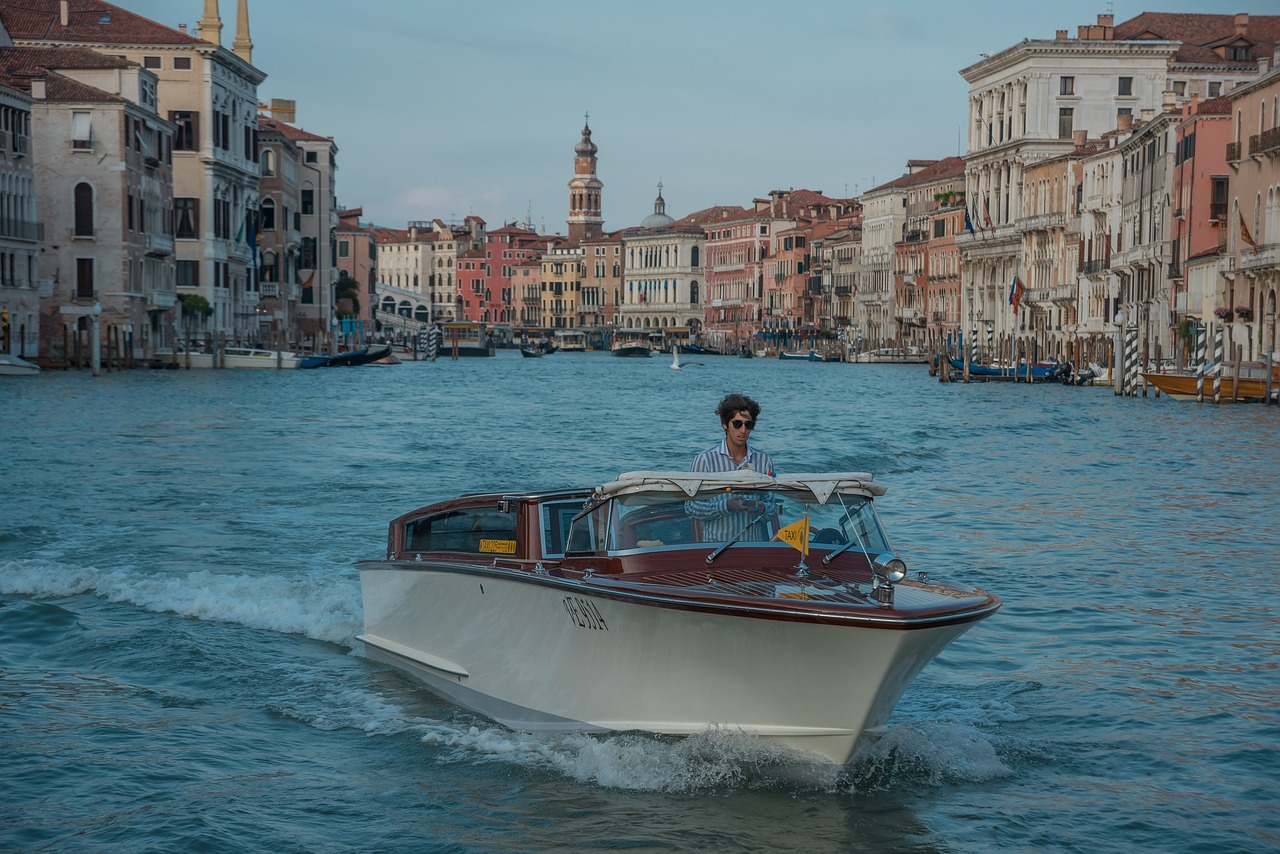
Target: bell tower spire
pixel 211 23
pixel 585 219
pixel 243 45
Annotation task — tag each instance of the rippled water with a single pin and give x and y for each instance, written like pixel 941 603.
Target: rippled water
pixel 178 612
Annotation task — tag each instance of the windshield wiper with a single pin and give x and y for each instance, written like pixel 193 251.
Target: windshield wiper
pixel 835 554
pixel 747 527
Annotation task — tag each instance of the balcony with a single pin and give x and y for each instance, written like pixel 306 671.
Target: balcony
pixel 1044 222
pixel 160 300
pixel 270 289
pixel 20 229
pixel 1063 294
pixel 843 290
pixel 1233 152
pixel 159 245
pixel 1265 258
pixel 1267 142
pixel 1093 268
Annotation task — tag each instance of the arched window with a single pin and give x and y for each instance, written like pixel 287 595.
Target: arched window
pixel 270 268
pixel 268 218
pixel 83 210
pixel 693 291
pixel 268 162
pixel 693 257
pixel 307 261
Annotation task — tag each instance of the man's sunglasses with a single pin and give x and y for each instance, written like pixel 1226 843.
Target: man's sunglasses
pixel 738 424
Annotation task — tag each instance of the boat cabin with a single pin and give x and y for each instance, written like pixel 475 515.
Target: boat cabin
pixel 643 520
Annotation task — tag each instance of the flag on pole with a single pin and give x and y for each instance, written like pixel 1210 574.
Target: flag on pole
pixel 986 214
pixel 1015 293
pixel 796 535
pixel 968 223
pixel 240 232
pixel 1244 232
pixel 307 282
pixel 253 242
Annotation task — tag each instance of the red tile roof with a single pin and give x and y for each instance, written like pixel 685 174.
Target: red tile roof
pixel 288 131
pixel 19 66
pixel 1199 33
pixel 59 57
pixel 949 167
pixel 89 22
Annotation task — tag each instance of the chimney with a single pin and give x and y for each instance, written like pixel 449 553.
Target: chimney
pixel 1106 20
pixel 1078 138
pixel 37 90
pixel 1148 113
pixel 1242 23
pixel 1124 121
pixel 182 28
pixel 1169 102
pixel 64 13
pixel 1061 35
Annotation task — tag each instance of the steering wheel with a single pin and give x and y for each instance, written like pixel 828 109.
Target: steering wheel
pixel 830 536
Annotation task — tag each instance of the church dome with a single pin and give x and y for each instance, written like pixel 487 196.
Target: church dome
pixel 659 217
pixel 586 147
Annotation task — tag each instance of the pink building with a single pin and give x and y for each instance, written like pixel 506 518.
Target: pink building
pixel 1200 181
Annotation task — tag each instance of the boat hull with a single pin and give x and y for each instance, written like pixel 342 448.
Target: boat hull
pixel 16 366
pixel 241 358
pixel 630 351
pixel 1186 387
pixel 547 654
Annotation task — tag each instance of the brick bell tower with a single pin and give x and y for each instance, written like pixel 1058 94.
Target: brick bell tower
pixel 584 190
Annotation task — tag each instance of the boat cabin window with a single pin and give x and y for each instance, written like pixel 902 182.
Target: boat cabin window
pixel 473 530
pixel 556 516
pixel 653 520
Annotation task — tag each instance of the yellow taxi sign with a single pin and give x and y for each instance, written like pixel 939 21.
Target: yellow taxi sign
pixel 502 547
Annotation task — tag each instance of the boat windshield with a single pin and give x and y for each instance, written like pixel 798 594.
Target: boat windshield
pixel 652 520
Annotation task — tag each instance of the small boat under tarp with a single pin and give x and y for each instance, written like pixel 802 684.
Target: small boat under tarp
pixel 363 356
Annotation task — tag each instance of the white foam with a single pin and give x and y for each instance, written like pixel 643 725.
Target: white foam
pixel 320 605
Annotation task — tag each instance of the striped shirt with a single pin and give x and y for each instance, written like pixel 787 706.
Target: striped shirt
pixel 719 523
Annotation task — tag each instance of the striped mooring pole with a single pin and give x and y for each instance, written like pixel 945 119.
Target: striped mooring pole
pixel 1217 361
pixel 1131 364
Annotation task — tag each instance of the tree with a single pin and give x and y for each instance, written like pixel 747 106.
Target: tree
pixel 347 289
pixel 194 307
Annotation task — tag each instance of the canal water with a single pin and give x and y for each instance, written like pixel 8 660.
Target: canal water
pixel 178 669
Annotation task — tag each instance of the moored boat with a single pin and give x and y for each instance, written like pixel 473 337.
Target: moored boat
pixel 1247 384
pixel 239 357
pixel 1044 371
pixel 351 359
pixel 811 356
pixel 665 602
pixel 16 366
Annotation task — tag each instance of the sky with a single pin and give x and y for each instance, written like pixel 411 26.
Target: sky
pixel 444 109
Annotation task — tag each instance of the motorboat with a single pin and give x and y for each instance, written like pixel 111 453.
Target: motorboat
pixel 665 602
pixel 908 355
pixel 631 343
pixel 1249 383
pixel 238 357
pixel 811 356
pixel 16 366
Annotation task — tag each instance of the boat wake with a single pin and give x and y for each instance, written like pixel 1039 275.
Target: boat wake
pixel 310 604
